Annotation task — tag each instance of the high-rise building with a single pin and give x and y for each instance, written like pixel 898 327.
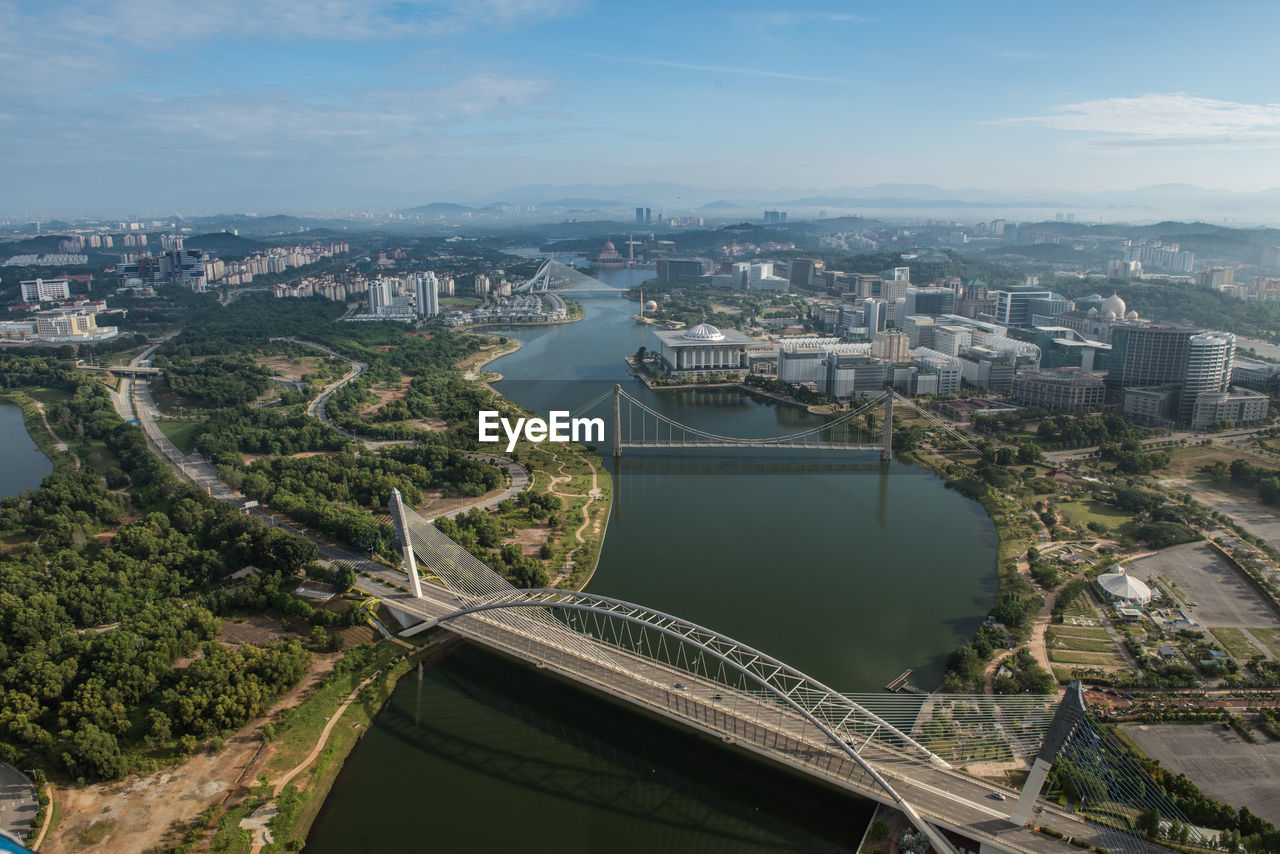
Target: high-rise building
pixel 1186 361
pixel 803 272
pixel 874 315
pixel 930 301
pixel 1271 256
pixel 1062 389
pixel 639 216
pixel 892 346
pixel 381 294
pixel 427 294
pixel 1216 277
pixel 482 285
pixel 1013 305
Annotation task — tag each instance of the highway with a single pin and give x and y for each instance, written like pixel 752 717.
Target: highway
pixel 751 721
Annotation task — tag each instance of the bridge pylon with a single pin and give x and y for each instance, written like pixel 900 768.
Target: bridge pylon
pixel 886 440
pixel 1069 713
pixel 399 520
pixel 617 421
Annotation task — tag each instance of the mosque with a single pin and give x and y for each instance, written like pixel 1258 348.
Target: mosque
pixel 704 349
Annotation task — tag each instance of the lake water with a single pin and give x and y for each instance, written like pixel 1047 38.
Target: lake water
pixel 24 465
pixel 847 569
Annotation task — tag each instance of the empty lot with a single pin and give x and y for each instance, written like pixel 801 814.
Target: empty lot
pixel 1205 577
pixel 1220 762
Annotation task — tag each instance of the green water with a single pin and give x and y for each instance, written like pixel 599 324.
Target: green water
pixel 848 570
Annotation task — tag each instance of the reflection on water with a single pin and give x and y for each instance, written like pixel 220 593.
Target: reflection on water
pixel 24 466
pixel 483 754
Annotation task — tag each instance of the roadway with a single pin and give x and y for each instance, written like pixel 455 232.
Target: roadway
pixel 946 798
pixel 18 804
pixel 749 720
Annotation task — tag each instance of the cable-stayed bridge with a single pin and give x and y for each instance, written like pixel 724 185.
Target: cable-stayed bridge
pixel 554 275
pixel 919 753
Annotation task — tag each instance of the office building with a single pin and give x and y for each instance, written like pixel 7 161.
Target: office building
pixel 45 290
pixel 848 375
pixel 891 346
pixel 1059 389
pixel 951 339
pixel 986 367
pixel 803 272
pixel 675 271
pixel 944 367
pixel 930 302
pixel 1186 360
pixel 1013 305
pixel 874 315
pixel 919 330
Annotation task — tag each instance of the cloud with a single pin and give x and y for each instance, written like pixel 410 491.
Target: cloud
pixel 1163 120
pixel 719 69
pixel 798 18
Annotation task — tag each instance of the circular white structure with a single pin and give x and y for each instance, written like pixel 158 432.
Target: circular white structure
pixel 703 332
pixel 1114 304
pixel 1093 312
pixel 1122 587
pixel 1132 315
pixel 651 305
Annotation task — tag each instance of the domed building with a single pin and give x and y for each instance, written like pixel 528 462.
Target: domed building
pixel 1123 589
pixel 704 349
pixel 1113 304
pixel 610 256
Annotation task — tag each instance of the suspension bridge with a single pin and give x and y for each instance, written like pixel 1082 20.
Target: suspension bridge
pixel 921 754
pixel 638 425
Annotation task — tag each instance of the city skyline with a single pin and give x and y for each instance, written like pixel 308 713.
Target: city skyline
pixel 149 105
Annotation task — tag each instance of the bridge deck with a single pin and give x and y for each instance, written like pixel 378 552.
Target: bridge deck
pixel 948 799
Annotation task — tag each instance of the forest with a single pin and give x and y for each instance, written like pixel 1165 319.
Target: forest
pixel 104 589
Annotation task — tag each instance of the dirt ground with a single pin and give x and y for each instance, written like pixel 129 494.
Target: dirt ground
pixel 283 366
pixel 260 629
pixel 434 505
pixel 386 395
pixel 531 539
pixel 1187 462
pixel 141 810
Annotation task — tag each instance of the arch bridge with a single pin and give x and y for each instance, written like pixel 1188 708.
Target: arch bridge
pixel 913 752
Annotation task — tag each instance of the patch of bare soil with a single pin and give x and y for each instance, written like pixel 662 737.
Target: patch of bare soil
pixel 386 395
pixel 283 366
pixel 142 808
pixel 259 630
pixel 434 504
pixel 530 540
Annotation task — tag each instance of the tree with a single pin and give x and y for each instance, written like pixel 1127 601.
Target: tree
pixel 879 829
pixel 345 577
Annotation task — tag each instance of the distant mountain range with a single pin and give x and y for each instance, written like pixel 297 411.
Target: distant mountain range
pixel 1150 203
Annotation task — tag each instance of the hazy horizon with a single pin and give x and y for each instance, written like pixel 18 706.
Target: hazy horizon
pixel 151 105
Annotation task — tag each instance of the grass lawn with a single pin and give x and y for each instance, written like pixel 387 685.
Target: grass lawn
pixel 1068 643
pixel 49 395
pixel 1236 643
pixel 181 433
pixel 1080 513
pixel 1068 631
pixel 1270 637
pixel 1092 659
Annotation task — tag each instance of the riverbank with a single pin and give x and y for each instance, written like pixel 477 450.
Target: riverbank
pixel 38 428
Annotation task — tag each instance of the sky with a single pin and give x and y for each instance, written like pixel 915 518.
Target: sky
pixel 162 106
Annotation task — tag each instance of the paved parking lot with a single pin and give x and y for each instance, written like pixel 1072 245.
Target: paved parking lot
pixel 1220 762
pixel 18 805
pixel 1205 577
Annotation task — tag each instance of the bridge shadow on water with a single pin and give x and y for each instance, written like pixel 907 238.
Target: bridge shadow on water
pixel 686 792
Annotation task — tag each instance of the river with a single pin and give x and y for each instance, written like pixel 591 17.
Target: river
pixel 849 570
pixel 24 465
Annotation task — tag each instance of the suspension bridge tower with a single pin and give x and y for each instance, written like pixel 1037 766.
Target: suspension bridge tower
pixel 617 420
pixel 886 441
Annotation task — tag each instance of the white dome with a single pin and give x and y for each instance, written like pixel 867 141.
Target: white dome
pixel 1113 303
pixel 704 332
pixel 1093 312
pixel 1108 315
pixel 1133 315
pixel 1118 584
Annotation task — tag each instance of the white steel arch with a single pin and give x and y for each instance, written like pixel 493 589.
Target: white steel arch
pixel 826 710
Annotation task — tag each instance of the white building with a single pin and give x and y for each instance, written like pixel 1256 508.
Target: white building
pixel 427 294
pixel 46 290
pixel 704 349
pixel 1123 589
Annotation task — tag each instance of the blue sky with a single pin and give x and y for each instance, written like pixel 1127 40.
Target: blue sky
pixel 276 105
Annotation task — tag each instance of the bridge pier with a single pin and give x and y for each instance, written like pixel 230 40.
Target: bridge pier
pixel 886 441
